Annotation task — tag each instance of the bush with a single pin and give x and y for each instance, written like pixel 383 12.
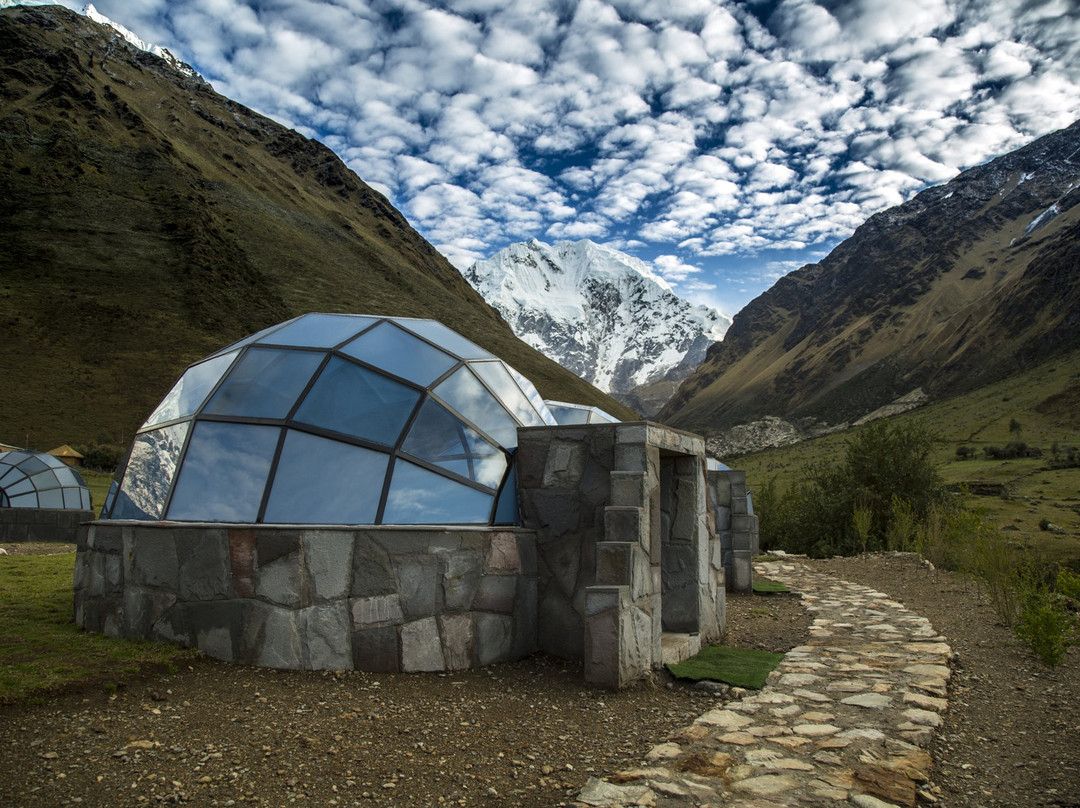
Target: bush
pixel 843 508
pixel 1046 621
pixel 101 456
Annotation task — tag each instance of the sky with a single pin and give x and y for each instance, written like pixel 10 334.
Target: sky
pixel 726 142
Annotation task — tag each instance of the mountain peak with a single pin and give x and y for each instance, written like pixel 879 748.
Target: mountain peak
pixel 603 314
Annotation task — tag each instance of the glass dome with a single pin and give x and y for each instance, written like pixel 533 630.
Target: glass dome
pixel 567 414
pixel 39 480
pixel 334 419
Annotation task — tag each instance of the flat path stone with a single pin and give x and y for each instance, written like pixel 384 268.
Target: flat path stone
pixel 846 718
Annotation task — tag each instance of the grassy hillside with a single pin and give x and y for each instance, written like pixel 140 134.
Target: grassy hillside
pixel 148 221
pixel 1044 401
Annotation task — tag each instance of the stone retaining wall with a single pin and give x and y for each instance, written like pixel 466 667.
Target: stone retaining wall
pixel 372 598
pixel 736 527
pixel 42 524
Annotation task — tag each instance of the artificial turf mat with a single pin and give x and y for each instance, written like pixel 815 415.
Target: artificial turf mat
pixel 741 667
pixel 765 586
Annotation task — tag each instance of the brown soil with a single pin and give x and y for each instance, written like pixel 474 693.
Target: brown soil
pixel 524 734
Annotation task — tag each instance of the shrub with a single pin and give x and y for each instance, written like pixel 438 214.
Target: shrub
pixel 101 456
pixel 1045 621
pixel 848 507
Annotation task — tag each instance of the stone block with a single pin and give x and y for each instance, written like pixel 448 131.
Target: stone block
pixel 419 585
pixel 328 559
pixel 494 637
pixel 377 611
pixel 281 644
pixel 326 628
pixel 565 464
pixel 496 593
pixel 205 564
pixel 738 506
pixel 636 433
pixel 631 457
pixel 561 559
pixel 421 646
pixel 112 570
pixel 460 577
pixel 243 545
pixel 723 518
pixel 625 524
pixel 397 541
pixel 281 582
pixel 501 555
pixel 628 488
pixel 272 544
pixel 372 569
pixel 681 608
pixel 614 563
pixel 376 649
pixel 143 608
pixel 556 512
pixel 740 524
pixel 457 640
pixel 742 571
pixel 531 460
pixel 103 537
pixel 151 559
pixel 526 548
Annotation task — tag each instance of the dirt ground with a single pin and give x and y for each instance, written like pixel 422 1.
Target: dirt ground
pixel 522 734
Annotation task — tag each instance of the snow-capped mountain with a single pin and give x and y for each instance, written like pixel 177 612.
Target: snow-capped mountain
pixel 601 313
pixel 95 15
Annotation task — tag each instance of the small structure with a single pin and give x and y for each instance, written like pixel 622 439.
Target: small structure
pixel 41 499
pixel 736 525
pixel 381 494
pixel 68 455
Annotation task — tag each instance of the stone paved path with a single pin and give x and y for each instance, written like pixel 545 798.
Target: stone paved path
pixel 845 719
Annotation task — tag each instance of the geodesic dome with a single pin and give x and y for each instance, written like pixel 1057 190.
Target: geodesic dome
pixel 38 480
pixel 567 414
pixel 334 419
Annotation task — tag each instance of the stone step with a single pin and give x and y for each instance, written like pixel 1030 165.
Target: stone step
pixel 678 647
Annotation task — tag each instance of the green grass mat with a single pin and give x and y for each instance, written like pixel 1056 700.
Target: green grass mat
pixel 741 667
pixel 764 586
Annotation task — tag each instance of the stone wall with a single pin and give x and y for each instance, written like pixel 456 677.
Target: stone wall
pixel 41 524
pixel 379 599
pixel 625 553
pixel 736 527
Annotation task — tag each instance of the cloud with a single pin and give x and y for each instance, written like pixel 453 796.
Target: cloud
pixel 698 131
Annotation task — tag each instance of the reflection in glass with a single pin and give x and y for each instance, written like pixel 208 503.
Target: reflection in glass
pixel 438 437
pixel 446 338
pixel 465 394
pixel 265 383
pixel 421 497
pixel 149 473
pixel 320 330
pixel 357 401
pixel 321 481
pixel 258 335
pixel 224 472
pixel 44 480
pixel 498 379
pixel 567 415
pixel 191 389
pixel 531 393
pixel 388 347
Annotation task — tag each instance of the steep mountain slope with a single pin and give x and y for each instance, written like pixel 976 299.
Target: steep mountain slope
pixel 965 284
pixel 599 312
pixel 148 220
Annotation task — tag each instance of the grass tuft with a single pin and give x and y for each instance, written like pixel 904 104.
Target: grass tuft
pixel 767 586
